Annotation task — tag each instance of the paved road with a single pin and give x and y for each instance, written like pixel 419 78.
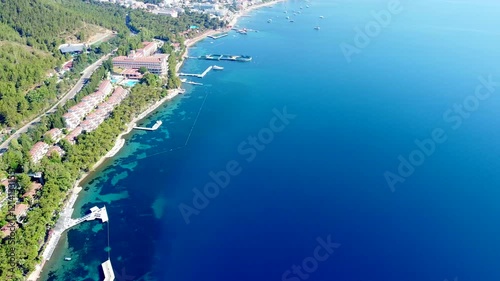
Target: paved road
pixel 69 95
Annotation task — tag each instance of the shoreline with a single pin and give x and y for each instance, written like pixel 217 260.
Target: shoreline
pixel 120 141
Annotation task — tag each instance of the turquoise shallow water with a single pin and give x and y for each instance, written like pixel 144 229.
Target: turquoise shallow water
pixel 321 173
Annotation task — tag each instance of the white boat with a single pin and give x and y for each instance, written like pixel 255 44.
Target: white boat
pixel 67 258
pixel 216 67
pixel 321 17
pixel 317 28
pixel 269 20
pixel 287 18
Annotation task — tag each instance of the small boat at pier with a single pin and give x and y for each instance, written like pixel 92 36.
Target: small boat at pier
pixel 216 67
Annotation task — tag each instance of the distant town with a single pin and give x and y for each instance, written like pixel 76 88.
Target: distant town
pixel 223 9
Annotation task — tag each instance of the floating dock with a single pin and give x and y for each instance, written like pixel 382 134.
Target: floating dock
pixel 197 75
pixel 109 274
pixel 154 128
pixel 193 83
pixel 241 58
pixel 218 36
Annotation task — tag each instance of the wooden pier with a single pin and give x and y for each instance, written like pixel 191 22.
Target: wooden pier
pixel 154 128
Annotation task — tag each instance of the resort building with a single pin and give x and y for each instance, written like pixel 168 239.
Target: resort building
pixel 131 73
pixel 76 113
pixel 148 49
pixel 145 57
pixel 95 118
pixel 38 151
pixel 75 133
pixel 20 211
pixel 55 149
pixel 30 194
pixel 54 134
pixel 8 228
pixel 105 87
pixel 72 48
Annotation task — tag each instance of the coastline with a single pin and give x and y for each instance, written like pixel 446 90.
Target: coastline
pixel 120 141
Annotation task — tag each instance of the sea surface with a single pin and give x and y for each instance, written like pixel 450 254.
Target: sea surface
pixel 305 143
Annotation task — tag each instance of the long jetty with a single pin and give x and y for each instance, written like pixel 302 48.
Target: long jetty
pixel 198 75
pixel 154 128
pixel 67 222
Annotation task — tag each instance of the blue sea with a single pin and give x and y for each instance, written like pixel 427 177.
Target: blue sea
pixel 367 150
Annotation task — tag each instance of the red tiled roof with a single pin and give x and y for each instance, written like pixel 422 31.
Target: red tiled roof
pixel 34 187
pixel 20 209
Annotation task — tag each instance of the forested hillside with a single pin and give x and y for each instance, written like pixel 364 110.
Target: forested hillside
pixel 22 69
pixel 44 24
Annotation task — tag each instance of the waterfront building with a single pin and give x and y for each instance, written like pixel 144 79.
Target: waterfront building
pixel 144 57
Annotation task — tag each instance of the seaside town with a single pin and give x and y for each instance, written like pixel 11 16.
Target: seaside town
pixel 55 145
pixel 223 9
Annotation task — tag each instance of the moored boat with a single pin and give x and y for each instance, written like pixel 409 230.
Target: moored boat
pixel 216 67
pixel 243 58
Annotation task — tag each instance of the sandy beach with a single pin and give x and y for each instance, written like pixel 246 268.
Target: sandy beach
pixel 120 141
pixel 251 8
